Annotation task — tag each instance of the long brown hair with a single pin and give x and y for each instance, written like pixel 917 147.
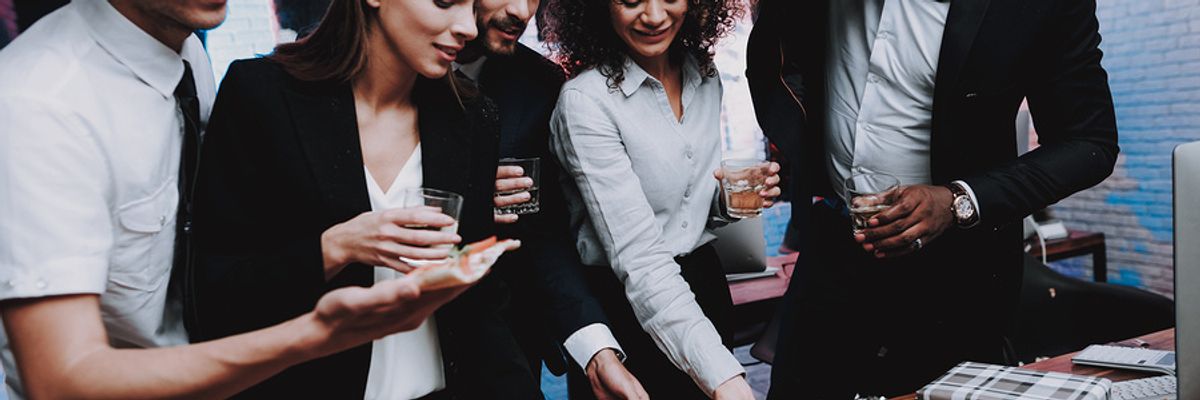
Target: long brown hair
pixel 337 48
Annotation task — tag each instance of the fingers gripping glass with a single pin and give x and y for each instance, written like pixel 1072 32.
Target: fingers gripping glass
pixel 531 167
pixel 868 195
pixel 449 203
pixel 741 182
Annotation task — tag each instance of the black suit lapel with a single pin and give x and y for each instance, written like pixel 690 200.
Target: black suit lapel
pixel 515 104
pixel 962 25
pixel 445 139
pixel 327 127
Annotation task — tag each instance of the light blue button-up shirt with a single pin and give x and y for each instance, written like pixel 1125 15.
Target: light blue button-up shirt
pixel 643 194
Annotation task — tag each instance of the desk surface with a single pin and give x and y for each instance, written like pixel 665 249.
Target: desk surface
pixel 1076 240
pixel 766 288
pixel 1161 340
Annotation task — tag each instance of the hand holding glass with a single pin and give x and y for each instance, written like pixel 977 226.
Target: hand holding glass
pixel 448 202
pixel 869 194
pixel 530 166
pixel 741 182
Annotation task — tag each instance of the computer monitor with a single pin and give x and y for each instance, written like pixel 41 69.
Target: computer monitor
pixel 1187 269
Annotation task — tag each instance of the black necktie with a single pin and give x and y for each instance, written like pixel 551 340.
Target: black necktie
pixel 185 95
pixel 189 104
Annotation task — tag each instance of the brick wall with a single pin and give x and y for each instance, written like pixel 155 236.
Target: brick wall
pixel 250 29
pixel 1152 54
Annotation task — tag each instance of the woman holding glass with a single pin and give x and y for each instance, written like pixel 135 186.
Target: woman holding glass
pixel 638 129
pixel 306 172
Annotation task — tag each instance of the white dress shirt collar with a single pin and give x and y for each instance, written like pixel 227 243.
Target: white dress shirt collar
pixel 151 60
pixel 635 76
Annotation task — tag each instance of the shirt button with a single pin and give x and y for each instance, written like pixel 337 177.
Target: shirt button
pixel 873 78
pixel 684 224
pixel 40 284
pixel 688 154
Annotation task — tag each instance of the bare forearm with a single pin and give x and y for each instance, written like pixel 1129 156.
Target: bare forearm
pixel 62 348
pixel 215 369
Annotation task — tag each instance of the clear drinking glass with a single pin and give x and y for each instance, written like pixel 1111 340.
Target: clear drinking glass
pixel 531 167
pixel 743 179
pixel 869 194
pixel 449 203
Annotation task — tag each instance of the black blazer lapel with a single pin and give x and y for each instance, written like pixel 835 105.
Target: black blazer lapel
pixel 510 91
pixel 327 127
pixel 445 140
pixel 962 25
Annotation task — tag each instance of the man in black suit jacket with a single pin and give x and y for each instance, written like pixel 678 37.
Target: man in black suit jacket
pixel 546 273
pixel 925 287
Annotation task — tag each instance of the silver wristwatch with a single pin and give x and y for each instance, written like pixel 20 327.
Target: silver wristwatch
pixel 962 208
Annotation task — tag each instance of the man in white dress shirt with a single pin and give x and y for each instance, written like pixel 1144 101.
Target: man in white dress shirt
pixel 927 91
pixel 97 101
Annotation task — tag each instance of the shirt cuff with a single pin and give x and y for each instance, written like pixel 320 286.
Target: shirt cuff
pixel 589 340
pixel 719 367
pixel 971 194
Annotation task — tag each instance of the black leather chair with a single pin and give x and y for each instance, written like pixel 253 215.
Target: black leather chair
pixel 1060 314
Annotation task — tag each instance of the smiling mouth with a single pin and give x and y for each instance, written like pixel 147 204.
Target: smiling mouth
pixel 511 31
pixel 450 53
pixel 650 34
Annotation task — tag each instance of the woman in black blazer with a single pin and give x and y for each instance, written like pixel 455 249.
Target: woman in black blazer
pixel 282 212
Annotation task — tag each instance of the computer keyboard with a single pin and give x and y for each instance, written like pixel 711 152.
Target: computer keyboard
pixel 1156 388
pixel 1134 358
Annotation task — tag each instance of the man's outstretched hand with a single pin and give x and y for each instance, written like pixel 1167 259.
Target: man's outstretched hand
pixel 610 379
pixel 351 316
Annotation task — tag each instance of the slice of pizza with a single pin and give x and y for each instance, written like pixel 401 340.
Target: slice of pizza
pixel 466 264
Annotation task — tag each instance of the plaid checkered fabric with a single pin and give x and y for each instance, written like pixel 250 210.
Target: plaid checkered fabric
pixel 976 381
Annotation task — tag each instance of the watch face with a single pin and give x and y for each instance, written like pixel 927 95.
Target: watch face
pixel 963 209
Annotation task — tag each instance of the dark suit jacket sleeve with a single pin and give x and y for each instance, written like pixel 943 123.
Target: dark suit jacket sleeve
pixel 488 362
pixel 556 262
pixel 526 87
pixel 1072 109
pixel 255 264
pixel 774 75
pixel 557 267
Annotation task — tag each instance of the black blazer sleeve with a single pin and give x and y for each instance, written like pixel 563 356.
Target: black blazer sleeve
pixel 556 265
pixel 256 263
pixel 525 86
pixel 481 353
pixel 1072 109
pixel 775 77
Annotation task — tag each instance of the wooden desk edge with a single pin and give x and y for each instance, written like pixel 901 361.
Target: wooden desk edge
pixel 1076 240
pixel 766 288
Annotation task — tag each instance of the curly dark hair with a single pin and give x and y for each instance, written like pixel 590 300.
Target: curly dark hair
pixel 581 33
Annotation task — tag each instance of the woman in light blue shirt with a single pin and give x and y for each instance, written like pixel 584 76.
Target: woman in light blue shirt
pixel 638 129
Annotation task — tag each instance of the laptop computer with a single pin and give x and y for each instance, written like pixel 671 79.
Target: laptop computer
pixel 1186 179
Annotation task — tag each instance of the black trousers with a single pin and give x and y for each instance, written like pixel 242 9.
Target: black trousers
pixel 885 327
pixel 661 379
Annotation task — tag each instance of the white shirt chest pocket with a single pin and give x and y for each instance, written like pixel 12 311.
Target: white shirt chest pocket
pixel 145 241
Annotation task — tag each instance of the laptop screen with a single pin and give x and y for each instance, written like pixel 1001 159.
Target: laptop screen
pixel 1187 268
